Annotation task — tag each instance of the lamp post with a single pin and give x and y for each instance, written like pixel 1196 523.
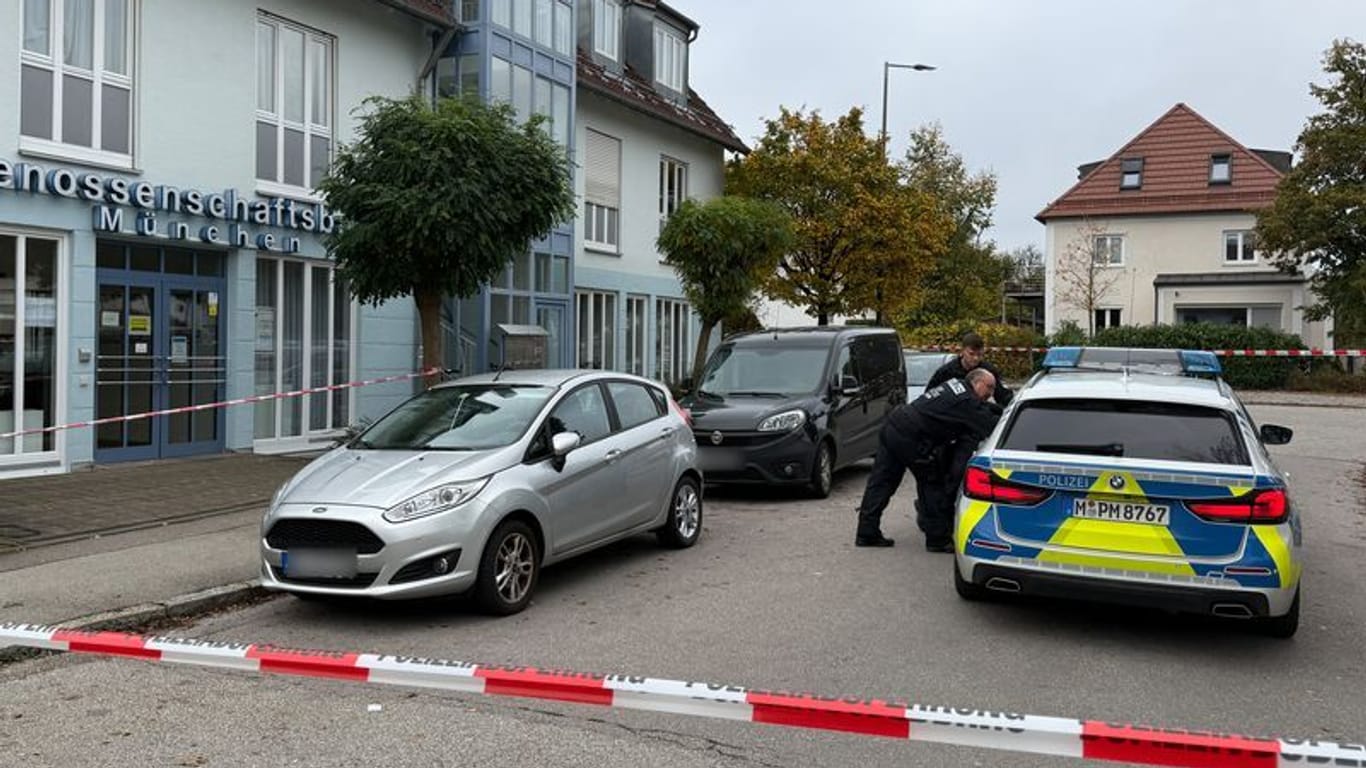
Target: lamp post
pixel 887 67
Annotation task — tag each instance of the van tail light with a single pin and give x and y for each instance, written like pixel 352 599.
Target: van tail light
pixel 1263 507
pixel 983 485
pixel 682 412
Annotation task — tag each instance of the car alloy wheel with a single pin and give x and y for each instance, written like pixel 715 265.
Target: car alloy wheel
pixel 823 473
pixel 508 569
pixel 684 524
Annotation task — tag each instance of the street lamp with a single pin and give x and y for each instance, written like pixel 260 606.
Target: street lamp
pixel 887 67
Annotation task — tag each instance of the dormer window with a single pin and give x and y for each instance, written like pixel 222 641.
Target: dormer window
pixel 1131 173
pixel 607 28
pixel 670 59
pixel 1220 169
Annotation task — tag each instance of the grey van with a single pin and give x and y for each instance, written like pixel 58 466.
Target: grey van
pixel 790 406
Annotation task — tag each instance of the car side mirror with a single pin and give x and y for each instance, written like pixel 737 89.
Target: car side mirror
pixel 561 443
pixel 685 386
pixel 849 386
pixel 1275 435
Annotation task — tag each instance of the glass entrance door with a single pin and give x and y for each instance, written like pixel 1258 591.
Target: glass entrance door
pixel 551 318
pixel 160 347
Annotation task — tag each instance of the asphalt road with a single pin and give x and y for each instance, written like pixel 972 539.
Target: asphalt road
pixel 774 596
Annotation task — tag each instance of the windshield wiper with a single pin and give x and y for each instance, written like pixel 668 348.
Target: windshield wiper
pixel 755 393
pixel 363 444
pixel 1101 449
pixel 708 393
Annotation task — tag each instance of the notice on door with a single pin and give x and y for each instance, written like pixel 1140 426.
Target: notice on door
pixel 109 319
pixel 140 325
pixel 180 349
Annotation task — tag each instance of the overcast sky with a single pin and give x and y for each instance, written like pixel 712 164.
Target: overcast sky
pixel 1026 88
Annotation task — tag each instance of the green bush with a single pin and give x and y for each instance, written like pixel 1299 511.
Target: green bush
pixel 1325 376
pixel 1240 372
pixel 1013 365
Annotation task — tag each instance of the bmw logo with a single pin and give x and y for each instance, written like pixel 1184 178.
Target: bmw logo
pixel 717 437
pixel 1117 482
pixel 319 510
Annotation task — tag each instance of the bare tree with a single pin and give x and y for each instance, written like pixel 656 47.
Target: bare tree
pixel 1085 270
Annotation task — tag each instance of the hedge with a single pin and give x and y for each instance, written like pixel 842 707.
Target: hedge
pixel 1240 372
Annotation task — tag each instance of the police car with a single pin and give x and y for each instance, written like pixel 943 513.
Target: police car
pixel 1137 477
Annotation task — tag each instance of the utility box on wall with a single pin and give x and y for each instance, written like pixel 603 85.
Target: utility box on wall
pixel 524 346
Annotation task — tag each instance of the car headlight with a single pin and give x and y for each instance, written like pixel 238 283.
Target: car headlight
pixel 438 499
pixel 783 422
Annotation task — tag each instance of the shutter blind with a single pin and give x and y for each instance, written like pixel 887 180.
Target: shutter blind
pixel 602 172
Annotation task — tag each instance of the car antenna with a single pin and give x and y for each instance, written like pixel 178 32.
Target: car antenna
pixel 501 367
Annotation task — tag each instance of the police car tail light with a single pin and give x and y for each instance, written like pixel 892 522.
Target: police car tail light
pixel 1267 506
pixel 984 485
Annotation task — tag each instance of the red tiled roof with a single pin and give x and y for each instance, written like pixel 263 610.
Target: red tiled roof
pixel 436 12
pixel 1176 152
pixel 635 92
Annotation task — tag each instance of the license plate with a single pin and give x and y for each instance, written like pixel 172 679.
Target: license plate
pixel 1121 511
pixel 319 563
pixel 720 459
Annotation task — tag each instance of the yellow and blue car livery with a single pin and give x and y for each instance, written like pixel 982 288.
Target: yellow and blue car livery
pixel 1134 483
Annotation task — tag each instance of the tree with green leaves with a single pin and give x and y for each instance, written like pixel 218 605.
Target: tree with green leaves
pixel 1318 221
pixel 965 281
pixel 436 200
pixel 860 239
pixel 723 250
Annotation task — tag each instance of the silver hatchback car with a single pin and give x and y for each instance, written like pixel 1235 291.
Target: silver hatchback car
pixel 478 483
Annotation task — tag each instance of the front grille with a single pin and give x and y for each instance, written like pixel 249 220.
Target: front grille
pixel 422 569
pixel 359 581
pixel 735 439
pixel 294 533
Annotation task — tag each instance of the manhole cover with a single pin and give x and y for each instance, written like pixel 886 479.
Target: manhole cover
pixel 18 532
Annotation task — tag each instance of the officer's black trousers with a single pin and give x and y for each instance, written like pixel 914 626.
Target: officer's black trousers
pixel 896 452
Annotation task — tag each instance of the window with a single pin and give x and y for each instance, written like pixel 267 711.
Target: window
pixel 28 342
pixel 673 187
pixel 597 322
pixel 602 192
pixel 636 308
pixel 635 405
pixel 670 59
pixel 1108 251
pixel 545 12
pixel 673 340
pixel 303 339
pixel 469 11
pixel 500 80
pixel 1106 318
pixel 521 17
pixel 75 80
pixel 878 357
pixel 293 103
pixel 1131 170
pixel 521 92
pixel 607 27
pixel 1140 430
pixel 584 411
pixel 564 28
pixel 559 112
pixel 1240 247
pixel 502 13
pixel 1220 169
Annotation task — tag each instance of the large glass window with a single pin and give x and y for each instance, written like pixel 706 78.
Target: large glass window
pixel 293 103
pixel 597 322
pixel 28 341
pixel 75 81
pixel 564 28
pixel 636 309
pixel 303 339
pixel 673 340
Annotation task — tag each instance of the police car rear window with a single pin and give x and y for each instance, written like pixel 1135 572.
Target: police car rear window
pixel 1133 429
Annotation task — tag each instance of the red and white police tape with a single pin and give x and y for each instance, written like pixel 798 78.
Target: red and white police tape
pixel 1220 352
pixel 220 404
pixel 894 718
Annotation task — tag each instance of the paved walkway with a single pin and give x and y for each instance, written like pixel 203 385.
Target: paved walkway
pixel 124 497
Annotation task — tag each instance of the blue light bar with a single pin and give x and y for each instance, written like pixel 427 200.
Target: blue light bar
pixel 1062 357
pixel 1195 361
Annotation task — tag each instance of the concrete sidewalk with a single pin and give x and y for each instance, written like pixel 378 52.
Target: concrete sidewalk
pixel 120 545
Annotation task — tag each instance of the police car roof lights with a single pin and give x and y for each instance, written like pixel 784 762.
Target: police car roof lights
pixel 1171 361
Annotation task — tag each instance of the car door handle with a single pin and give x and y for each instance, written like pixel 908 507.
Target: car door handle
pixel 666 432
pixel 613 455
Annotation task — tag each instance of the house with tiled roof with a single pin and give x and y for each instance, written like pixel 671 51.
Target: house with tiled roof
pixel 646 141
pixel 1162 232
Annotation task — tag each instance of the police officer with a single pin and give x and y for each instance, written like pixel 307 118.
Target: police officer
pixel 971 356
pixel 914 437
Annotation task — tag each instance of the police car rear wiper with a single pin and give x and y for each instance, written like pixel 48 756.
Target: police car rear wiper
pixel 1104 449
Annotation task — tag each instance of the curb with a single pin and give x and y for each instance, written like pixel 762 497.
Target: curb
pixel 147 615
